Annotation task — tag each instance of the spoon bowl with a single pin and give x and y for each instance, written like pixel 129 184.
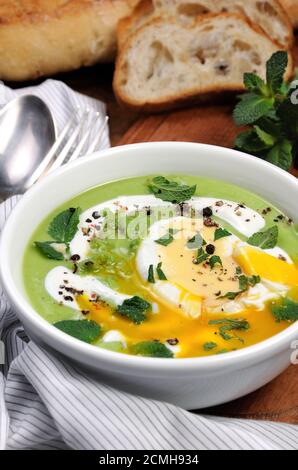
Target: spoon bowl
pixel 27 132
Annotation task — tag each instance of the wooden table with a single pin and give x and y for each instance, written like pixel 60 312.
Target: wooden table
pixel 212 124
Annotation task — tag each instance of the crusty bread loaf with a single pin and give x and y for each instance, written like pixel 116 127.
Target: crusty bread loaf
pixel 268 14
pixel 291 7
pixel 42 37
pixel 165 63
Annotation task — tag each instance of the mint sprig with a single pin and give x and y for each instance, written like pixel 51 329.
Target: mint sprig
pixel 171 191
pixel 270 113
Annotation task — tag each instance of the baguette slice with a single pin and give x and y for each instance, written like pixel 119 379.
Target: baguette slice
pixel 268 14
pixel 291 7
pixel 43 37
pixel 165 64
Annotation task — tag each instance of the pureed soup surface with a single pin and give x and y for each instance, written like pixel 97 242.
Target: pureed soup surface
pixel 125 267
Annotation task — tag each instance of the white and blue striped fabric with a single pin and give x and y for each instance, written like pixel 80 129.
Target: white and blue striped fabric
pixel 45 403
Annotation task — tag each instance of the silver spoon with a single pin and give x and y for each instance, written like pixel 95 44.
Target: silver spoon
pixel 27 132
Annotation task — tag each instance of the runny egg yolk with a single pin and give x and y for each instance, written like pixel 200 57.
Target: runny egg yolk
pixel 180 267
pixel 268 267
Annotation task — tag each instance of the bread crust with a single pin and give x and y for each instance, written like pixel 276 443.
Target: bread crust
pixel 291 7
pixel 42 37
pixel 192 96
pixel 145 11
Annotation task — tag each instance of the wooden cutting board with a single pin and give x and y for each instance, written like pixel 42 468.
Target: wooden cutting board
pixel 213 124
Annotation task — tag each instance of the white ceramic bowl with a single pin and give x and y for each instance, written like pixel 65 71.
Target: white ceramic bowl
pixel 190 383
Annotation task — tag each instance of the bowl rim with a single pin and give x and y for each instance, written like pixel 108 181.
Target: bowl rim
pixel 255 353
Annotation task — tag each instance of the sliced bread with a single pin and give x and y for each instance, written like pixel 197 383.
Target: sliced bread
pixel 268 14
pixel 43 37
pixel 165 63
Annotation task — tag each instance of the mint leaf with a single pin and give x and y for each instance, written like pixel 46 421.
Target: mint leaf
pixel 255 84
pixel 267 139
pixel 195 242
pixel 171 191
pixel 64 226
pixel 249 142
pixel 281 155
pixel 288 115
pixel 135 309
pixel 209 346
pixel 275 70
pixel 201 256
pixel 167 239
pixel 221 233
pixel 265 240
pixel 47 250
pixel 286 311
pixel 214 260
pixel 151 274
pixel 251 108
pixel 152 349
pixel 85 330
pixel 161 275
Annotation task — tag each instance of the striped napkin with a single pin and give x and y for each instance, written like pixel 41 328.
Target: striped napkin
pixel 46 403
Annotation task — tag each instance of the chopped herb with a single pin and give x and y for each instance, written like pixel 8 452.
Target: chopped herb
pixel 168 238
pixel 221 233
pixel 171 191
pixel 152 349
pixel 195 242
pixel 151 274
pixel 253 280
pixel 215 260
pixel 161 275
pixel 287 310
pixel 209 346
pixel 85 330
pixel 243 283
pixel 265 240
pixel 227 324
pixel 48 250
pixel 64 226
pixel 135 309
pixel 238 270
pixel 231 295
pixel 222 351
pixel 201 256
